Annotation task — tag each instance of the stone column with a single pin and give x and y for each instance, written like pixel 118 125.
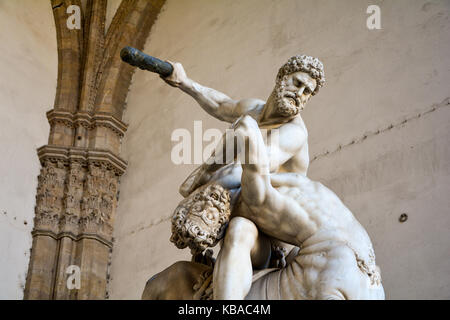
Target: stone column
pixel 78 184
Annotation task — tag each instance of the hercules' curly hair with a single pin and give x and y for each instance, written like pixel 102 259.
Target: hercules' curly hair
pixel 186 233
pixel 303 63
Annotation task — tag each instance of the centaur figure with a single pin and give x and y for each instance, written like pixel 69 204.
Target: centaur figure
pixel 213 199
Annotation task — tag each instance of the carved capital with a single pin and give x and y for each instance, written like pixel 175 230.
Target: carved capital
pixel 77 192
pixel 99 201
pixel 50 195
pixel 83 156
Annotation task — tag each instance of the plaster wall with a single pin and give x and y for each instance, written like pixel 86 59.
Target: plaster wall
pixel 27 90
pixel 378 130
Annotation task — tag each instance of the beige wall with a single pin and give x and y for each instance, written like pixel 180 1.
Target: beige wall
pixel 375 79
pixel 28 70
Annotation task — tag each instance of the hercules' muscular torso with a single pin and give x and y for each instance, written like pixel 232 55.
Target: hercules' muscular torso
pixel 299 161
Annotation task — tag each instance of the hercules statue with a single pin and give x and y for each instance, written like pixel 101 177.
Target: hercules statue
pixel 259 206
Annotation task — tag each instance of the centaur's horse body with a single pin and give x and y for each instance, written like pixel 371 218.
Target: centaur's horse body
pixel 186 280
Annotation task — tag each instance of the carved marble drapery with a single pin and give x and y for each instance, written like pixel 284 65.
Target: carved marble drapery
pixel 78 184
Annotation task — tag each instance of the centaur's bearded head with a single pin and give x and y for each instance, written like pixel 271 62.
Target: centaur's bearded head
pixel 200 220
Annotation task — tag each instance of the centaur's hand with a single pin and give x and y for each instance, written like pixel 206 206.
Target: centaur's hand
pixel 178 76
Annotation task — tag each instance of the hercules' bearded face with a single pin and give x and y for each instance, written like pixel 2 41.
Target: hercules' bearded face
pixel 292 93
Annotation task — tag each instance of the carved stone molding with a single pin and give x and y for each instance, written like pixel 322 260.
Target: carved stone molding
pixel 83 156
pixel 50 196
pixel 87 120
pixel 76 198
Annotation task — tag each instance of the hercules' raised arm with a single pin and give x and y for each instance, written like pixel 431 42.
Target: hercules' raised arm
pixel 216 103
pixel 257 190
